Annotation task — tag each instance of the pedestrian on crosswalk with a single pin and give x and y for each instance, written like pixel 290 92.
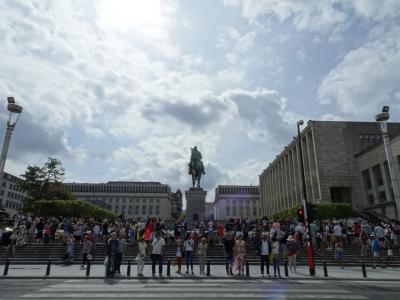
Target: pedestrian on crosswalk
pixel 229 244
pixel 292 249
pixel 112 255
pixel 202 254
pixel 264 247
pixel 157 254
pixel 178 255
pixel 189 246
pixel 141 258
pixel 275 256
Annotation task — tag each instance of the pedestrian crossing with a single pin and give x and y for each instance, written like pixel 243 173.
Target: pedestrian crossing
pixel 188 289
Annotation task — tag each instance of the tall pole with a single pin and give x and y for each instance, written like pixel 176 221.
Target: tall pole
pixel 391 164
pixel 6 145
pixel 310 251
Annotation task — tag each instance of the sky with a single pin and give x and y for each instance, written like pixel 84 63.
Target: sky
pixel 122 89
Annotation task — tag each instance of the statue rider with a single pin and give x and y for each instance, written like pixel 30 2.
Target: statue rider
pixel 195 157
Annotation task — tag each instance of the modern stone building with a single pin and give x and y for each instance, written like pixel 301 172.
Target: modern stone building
pixel 11 196
pixel 236 201
pixel 330 163
pixel 375 176
pixel 131 199
pixel 176 204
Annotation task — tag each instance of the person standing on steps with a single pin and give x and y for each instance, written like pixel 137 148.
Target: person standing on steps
pixel 292 249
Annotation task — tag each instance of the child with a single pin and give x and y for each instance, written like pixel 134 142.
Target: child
pixel 339 252
pixel 141 256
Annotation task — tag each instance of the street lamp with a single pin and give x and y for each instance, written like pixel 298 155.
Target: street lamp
pixel 310 251
pixel 382 118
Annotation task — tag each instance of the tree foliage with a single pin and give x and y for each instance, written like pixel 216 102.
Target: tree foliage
pixel 44 183
pixel 71 208
pixel 321 211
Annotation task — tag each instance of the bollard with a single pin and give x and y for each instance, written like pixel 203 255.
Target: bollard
pixel 169 268
pixel 88 268
pixel 48 268
pixel 6 267
pixel 325 270
pixel 247 269
pixel 286 269
pixel 128 270
pixel 364 271
pixel 208 268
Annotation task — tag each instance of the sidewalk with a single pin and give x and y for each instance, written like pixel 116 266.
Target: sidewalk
pixel 98 271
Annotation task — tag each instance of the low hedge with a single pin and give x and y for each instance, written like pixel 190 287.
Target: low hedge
pixel 71 208
pixel 321 211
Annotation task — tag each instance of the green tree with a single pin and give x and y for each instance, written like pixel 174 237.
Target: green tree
pixel 44 183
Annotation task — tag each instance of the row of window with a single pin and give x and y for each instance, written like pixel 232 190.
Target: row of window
pixel 241 211
pixel 115 189
pixel 15 196
pixel 239 201
pixel 239 190
pixel 145 210
pixel 131 201
pixel 13 205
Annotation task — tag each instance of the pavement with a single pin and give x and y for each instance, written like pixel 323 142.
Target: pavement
pixel 228 288
pixel 98 271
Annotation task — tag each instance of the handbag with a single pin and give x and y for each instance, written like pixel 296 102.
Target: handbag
pixel 106 261
pixel 89 257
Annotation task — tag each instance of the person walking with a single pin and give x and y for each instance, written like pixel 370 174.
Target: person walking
pixel 339 251
pixel 189 246
pixel 264 249
pixel 157 254
pixel 202 253
pixel 292 249
pixel 141 258
pixel 275 256
pixel 86 250
pixel 375 250
pixel 69 256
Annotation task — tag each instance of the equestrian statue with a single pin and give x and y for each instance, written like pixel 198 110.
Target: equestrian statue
pixel 196 167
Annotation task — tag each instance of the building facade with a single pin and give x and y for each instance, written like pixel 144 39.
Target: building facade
pixel 331 168
pixel 131 199
pixel 236 201
pixel 11 196
pixel 375 176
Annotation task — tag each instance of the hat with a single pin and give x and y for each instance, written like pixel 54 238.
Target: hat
pixel 372 235
pixel 290 238
pixel 264 234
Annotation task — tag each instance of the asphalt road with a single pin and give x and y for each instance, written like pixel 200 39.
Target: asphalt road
pixel 197 289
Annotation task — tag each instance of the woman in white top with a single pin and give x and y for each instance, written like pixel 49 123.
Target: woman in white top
pixel 141 256
pixel 189 246
pixel 275 256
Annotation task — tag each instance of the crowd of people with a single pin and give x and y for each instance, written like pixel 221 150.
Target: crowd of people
pixel 273 240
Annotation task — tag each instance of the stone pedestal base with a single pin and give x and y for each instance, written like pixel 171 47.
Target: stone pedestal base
pixel 195 205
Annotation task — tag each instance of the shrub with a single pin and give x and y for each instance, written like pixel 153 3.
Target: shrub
pixel 70 208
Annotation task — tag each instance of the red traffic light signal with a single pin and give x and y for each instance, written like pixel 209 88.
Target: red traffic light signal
pixel 300 212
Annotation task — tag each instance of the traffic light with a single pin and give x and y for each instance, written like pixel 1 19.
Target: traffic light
pixel 300 214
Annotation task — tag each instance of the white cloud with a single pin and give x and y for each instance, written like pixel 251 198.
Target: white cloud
pixel 366 78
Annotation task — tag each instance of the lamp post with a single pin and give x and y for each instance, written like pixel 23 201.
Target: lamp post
pixel 13 116
pixel 310 251
pixel 382 118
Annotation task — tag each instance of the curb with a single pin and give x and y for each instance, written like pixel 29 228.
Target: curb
pixel 165 278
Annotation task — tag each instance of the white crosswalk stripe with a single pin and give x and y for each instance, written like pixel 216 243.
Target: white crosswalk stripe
pixel 186 289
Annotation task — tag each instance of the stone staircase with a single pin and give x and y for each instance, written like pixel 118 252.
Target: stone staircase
pixel 41 253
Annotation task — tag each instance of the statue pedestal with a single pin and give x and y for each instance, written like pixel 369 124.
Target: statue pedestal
pixel 195 205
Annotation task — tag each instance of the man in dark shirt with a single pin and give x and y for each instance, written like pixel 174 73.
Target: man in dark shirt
pixel 229 244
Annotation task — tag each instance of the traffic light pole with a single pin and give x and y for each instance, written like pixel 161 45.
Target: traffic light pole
pixel 310 250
